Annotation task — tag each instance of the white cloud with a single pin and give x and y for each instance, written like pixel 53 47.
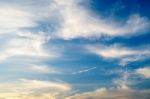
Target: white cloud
pixel 69 19
pixel 111 52
pixel 17 42
pixel 79 22
pixel 18 20
pixel 20 38
pixel 27 44
pixel 125 55
pixel 33 89
pixel 145 72
pixel 43 69
pixel 83 71
pixel 12 19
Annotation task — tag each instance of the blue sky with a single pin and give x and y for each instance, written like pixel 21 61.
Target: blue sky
pixel 74 49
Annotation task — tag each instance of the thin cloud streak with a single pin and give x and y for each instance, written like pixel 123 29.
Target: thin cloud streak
pixel 83 71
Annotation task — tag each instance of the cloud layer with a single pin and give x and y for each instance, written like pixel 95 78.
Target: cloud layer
pixel 33 89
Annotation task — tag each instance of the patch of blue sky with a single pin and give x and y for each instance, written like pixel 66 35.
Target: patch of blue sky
pixel 120 9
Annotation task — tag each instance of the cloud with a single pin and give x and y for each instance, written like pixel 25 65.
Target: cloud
pixel 125 55
pixel 26 44
pixel 122 90
pixel 80 22
pixel 83 71
pixel 12 19
pixel 41 68
pixel 20 32
pixel 122 83
pixel 33 89
pixel 112 51
pixel 71 21
pixel 62 20
pixel 145 72
pixel 104 93
pixel 18 15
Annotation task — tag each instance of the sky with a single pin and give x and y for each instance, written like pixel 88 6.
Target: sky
pixel 74 49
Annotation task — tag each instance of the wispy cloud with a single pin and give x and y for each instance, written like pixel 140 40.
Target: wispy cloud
pixel 26 44
pixel 17 25
pixel 73 24
pixel 41 68
pixel 111 51
pixel 83 71
pixel 34 89
pixel 12 19
pixel 68 24
pixel 145 72
pixel 120 91
pixel 124 54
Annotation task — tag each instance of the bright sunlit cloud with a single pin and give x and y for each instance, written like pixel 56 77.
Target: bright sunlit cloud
pixel 145 72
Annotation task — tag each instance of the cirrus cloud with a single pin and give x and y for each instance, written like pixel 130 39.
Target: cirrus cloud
pixel 79 22
pixel 124 54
